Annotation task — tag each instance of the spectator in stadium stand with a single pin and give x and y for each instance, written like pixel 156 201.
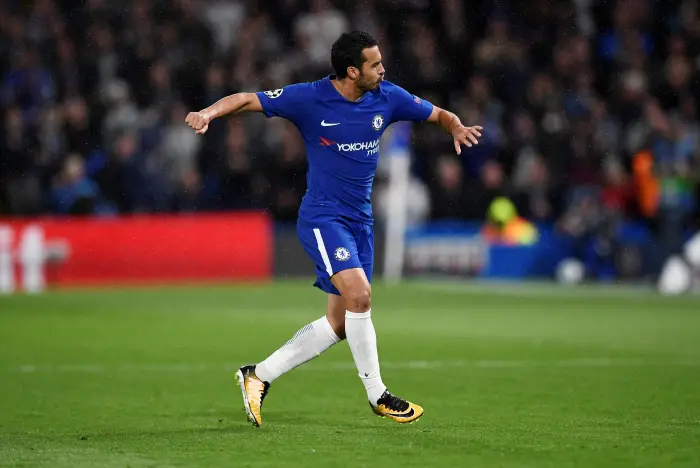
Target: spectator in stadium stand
pixel 505 227
pixel 73 192
pixel 563 87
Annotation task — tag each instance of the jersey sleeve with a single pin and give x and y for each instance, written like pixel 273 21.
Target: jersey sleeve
pixel 284 102
pixel 407 106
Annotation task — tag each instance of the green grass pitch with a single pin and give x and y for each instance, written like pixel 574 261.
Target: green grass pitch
pixel 510 376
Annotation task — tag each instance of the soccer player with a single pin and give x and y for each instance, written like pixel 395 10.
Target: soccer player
pixel 341 119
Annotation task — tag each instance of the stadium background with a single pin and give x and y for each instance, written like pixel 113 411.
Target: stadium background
pixel 589 110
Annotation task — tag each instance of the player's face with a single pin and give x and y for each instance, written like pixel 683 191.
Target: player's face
pixel 372 70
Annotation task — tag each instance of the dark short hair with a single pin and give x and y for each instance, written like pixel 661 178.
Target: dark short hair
pixel 347 51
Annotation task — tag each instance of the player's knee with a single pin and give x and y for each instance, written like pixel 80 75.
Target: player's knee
pixel 359 300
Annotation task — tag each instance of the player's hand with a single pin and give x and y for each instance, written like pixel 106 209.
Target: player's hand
pixel 467 136
pixel 199 121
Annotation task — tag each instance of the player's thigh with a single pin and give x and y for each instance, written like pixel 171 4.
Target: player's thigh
pixel 355 284
pixel 354 287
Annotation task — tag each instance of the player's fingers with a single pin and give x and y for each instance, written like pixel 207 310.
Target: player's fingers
pixel 475 131
pixel 464 140
pixel 203 130
pixel 472 138
pixel 195 121
pixel 458 148
pixel 478 127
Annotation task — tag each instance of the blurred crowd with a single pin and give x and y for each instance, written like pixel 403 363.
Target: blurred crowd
pixel 590 107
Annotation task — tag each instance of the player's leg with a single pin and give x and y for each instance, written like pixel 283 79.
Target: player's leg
pixel 335 313
pixel 354 285
pixel 307 343
pixel 312 339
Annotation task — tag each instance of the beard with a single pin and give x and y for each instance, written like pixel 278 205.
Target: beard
pixel 371 85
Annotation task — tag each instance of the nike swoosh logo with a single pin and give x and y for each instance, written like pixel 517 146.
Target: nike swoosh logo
pixel 402 415
pixel 328 124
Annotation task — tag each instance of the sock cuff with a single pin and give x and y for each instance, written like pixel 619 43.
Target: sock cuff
pixel 326 325
pixel 358 315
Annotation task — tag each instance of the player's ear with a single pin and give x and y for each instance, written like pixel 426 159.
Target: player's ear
pixel 353 73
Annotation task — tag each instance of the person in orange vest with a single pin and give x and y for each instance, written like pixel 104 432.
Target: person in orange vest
pixel 505 226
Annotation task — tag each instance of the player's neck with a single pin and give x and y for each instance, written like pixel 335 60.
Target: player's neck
pixel 346 87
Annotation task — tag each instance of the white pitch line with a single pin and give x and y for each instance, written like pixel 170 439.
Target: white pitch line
pixel 549 290
pixel 342 366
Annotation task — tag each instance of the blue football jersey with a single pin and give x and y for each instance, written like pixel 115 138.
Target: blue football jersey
pixel 342 141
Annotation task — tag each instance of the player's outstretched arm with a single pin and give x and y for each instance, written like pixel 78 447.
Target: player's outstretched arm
pixel 240 102
pixel 452 125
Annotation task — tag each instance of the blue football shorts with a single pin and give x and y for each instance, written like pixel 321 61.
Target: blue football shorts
pixel 337 245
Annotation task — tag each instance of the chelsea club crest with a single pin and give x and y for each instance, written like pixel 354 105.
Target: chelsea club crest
pixel 377 122
pixel 342 254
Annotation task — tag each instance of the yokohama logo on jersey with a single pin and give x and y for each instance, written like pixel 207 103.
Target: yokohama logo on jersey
pixel 372 147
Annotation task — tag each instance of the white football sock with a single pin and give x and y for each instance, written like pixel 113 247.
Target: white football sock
pixel 362 339
pixel 305 345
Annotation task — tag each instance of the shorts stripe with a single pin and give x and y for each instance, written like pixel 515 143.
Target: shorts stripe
pixel 322 249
